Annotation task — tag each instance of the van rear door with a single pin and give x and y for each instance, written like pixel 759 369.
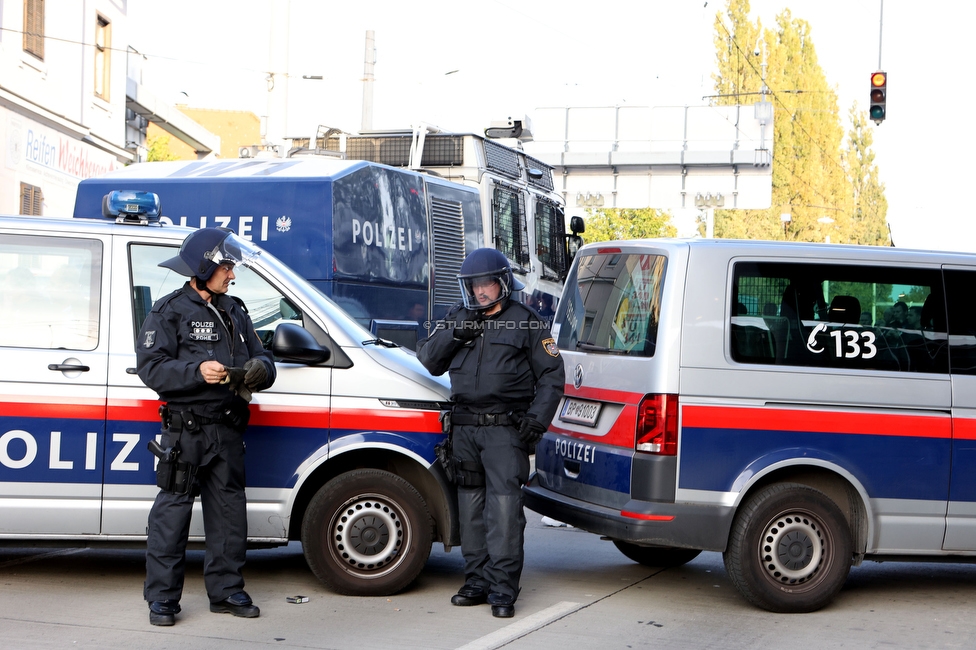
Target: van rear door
pixel 614 437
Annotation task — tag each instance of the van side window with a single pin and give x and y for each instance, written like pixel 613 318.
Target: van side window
pixel 961 292
pixel 838 316
pixel 613 305
pixel 49 292
pixel 266 306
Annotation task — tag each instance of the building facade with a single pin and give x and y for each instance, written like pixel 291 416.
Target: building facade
pixel 62 100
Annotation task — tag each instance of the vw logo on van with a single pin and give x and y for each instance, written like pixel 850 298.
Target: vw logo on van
pixel 578 376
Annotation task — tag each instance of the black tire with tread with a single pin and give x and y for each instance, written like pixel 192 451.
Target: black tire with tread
pixel 367 533
pixel 790 549
pixel 656 556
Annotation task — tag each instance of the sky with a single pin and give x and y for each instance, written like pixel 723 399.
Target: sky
pixel 460 64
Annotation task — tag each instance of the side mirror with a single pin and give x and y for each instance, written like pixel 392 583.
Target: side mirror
pixel 295 344
pixel 573 244
pixel 577 225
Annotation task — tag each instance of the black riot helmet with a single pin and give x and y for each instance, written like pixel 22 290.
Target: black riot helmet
pixel 205 249
pixel 486 265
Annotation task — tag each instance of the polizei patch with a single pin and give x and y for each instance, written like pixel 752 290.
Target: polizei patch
pixel 204 331
pixel 550 346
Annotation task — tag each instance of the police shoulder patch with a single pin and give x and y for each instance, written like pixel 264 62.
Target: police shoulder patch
pixel 550 347
pixel 150 339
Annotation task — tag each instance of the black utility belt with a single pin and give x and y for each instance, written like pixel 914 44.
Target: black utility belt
pixel 486 419
pixel 186 419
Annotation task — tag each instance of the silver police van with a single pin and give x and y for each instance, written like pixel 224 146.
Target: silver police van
pixel 340 451
pixel 798 407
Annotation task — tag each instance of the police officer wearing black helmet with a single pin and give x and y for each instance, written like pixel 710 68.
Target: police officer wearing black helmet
pixel 198 350
pixel 506 382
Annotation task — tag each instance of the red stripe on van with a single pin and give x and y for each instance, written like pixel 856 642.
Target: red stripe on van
pixel 604 394
pixel 638 515
pixel 389 420
pixel 65 407
pixel 964 429
pixel 134 410
pixel 261 415
pixel 775 419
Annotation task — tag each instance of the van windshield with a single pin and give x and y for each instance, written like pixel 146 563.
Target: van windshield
pixel 612 304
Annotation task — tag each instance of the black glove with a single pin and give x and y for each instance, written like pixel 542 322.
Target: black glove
pixel 531 431
pixel 236 377
pixel 255 374
pixel 470 328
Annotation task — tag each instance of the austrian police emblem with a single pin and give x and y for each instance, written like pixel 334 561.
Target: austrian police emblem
pixel 150 339
pixel 550 346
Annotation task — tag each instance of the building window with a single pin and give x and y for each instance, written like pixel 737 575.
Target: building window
pixel 34 28
pixel 30 199
pixel 103 54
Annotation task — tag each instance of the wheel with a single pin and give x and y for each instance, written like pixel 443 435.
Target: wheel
pixel 367 533
pixel 659 556
pixel 790 549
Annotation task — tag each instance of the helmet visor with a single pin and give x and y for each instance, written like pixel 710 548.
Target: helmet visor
pixel 233 250
pixel 483 291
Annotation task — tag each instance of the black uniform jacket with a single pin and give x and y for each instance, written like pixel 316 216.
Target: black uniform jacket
pixel 180 333
pixel 515 361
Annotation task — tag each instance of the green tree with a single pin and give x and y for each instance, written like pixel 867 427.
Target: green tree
pixel 605 224
pixel 159 149
pixel 811 179
pixel 870 205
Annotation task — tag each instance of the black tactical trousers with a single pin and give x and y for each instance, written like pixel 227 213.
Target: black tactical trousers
pixel 492 519
pixel 221 481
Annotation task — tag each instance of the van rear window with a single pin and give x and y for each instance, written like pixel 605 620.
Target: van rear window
pixel 839 316
pixel 612 304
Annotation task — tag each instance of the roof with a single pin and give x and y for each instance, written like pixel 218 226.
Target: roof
pixel 312 169
pixel 798 250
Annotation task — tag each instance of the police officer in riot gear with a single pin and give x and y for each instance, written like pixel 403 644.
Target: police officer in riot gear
pixel 506 382
pixel 198 350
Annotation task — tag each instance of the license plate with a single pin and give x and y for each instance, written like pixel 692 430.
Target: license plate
pixel 580 412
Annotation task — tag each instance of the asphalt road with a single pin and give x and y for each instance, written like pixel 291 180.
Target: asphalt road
pixel 578 592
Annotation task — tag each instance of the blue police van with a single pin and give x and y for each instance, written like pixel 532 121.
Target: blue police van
pixel 384 243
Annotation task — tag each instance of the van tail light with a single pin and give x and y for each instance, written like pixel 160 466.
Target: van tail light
pixel 657 425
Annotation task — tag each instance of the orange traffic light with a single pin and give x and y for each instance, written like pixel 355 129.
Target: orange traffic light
pixel 879 95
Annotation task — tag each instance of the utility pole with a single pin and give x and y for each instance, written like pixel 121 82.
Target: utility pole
pixel 370 61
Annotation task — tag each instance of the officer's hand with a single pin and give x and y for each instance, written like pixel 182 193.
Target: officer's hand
pixel 531 431
pixel 255 374
pixel 470 328
pixel 213 372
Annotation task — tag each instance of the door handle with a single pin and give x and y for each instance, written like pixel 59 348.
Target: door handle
pixel 67 367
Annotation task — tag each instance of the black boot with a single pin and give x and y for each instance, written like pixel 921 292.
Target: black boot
pixel 502 605
pixel 238 604
pixel 163 612
pixel 469 595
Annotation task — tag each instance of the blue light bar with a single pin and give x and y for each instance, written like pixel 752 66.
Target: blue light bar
pixel 131 206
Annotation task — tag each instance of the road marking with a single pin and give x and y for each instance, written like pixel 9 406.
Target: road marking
pixel 509 633
pixel 42 556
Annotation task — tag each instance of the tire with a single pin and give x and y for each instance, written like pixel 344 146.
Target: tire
pixel 367 533
pixel 790 549
pixel 657 556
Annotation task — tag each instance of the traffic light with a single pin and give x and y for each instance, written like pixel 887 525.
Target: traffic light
pixel 879 94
